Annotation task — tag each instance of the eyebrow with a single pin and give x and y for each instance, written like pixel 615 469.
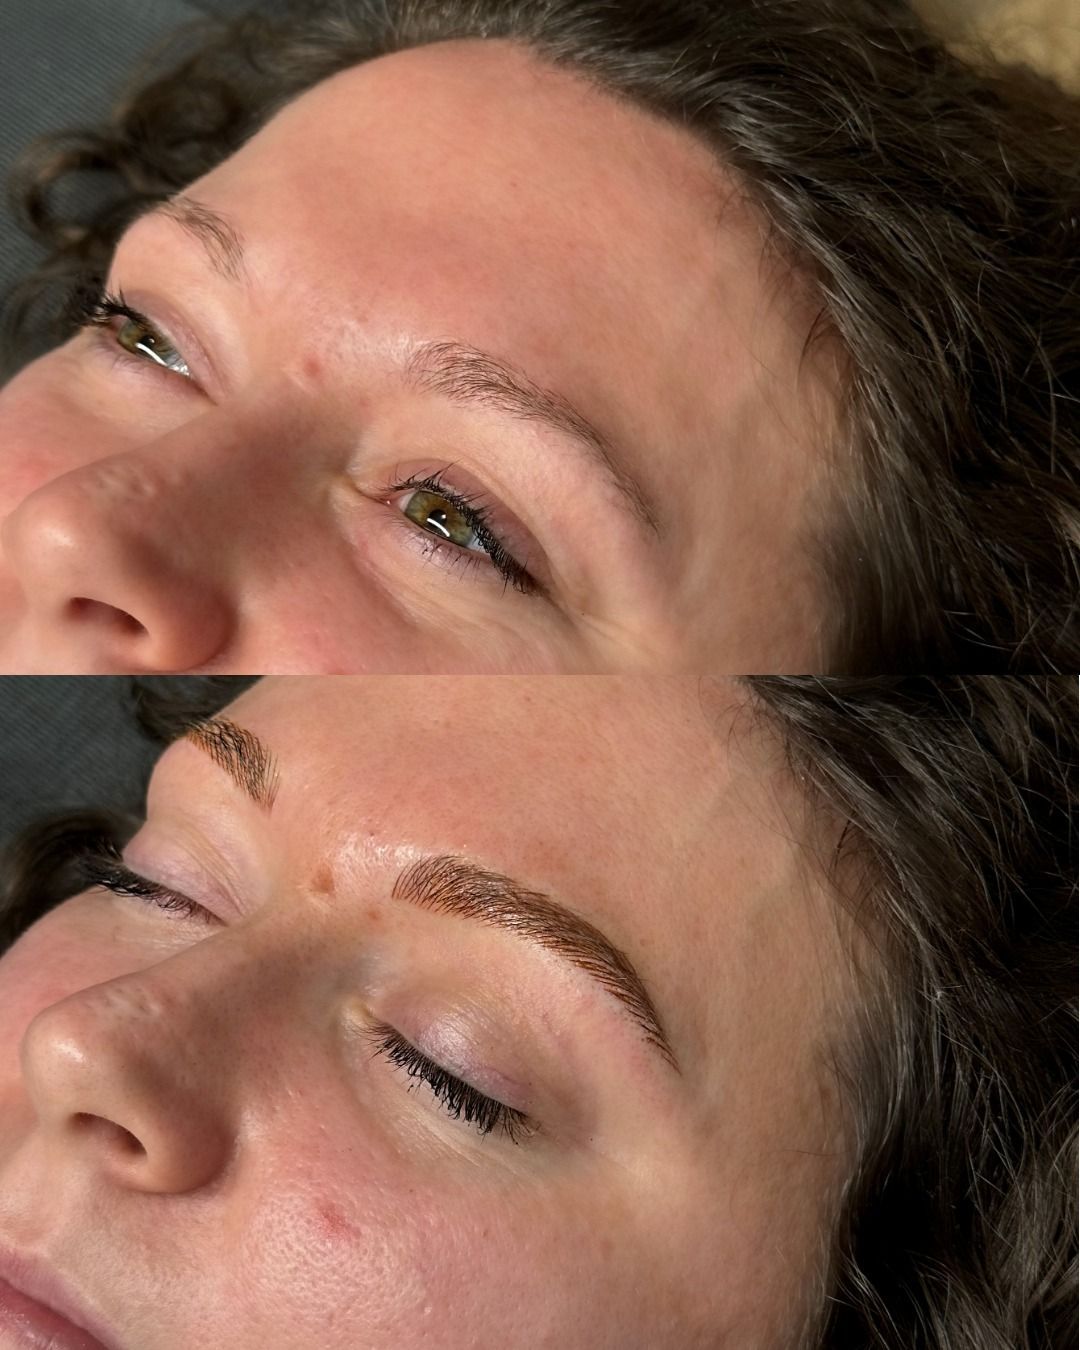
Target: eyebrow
pixel 242 755
pixel 454 885
pixel 473 378
pixel 218 237
pixel 464 374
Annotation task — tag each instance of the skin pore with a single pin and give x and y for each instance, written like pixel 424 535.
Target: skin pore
pixel 197 1130
pixel 228 482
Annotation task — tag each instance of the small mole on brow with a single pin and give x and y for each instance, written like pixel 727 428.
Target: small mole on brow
pixel 322 883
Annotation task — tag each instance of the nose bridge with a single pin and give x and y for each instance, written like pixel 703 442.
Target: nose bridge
pixel 124 561
pixel 140 1072
pixel 150 497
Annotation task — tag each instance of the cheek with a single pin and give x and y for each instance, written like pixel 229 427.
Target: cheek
pixel 350 1245
pixel 56 957
pixel 45 965
pixel 46 428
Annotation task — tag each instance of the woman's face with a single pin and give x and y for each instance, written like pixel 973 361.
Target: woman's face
pixel 459 364
pixel 209 1124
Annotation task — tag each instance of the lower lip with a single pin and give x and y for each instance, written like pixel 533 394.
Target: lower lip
pixel 31 1326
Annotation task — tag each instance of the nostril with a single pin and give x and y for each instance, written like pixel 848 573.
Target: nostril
pixel 97 610
pixel 124 1139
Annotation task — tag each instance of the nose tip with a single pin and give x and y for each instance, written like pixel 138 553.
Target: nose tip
pixel 114 585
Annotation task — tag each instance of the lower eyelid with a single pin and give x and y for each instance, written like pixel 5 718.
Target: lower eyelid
pixel 446 555
pixel 104 347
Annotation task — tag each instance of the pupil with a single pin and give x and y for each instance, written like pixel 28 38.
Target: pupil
pixel 437 520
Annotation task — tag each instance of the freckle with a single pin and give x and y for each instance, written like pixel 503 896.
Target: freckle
pixel 322 883
pixel 332 1224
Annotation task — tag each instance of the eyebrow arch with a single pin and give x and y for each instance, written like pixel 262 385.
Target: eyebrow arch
pixel 471 377
pixel 242 755
pixel 219 238
pixel 464 374
pixel 454 885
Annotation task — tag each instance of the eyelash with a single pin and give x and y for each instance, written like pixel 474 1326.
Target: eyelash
pixel 102 866
pixel 90 305
pixel 458 1098
pixel 477 516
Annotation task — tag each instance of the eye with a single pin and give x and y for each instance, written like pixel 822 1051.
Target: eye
pixel 459 524
pixel 139 337
pixel 92 307
pixel 102 866
pixel 436 513
pixel 458 1098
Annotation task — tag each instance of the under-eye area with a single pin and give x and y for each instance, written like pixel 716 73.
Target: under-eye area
pixel 342 1006
pixel 503 338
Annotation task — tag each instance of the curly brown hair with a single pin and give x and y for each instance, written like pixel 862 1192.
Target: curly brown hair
pixel 933 201
pixel 957 808
pixel 954 802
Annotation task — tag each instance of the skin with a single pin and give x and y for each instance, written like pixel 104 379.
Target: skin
pixel 290 1190
pixel 243 520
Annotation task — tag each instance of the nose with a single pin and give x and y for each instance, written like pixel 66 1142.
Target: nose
pixel 116 572
pixel 116 1086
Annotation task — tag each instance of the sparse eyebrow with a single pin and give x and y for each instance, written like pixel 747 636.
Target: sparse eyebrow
pixel 456 886
pixel 458 371
pixel 469 376
pixel 243 756
pixel 219 238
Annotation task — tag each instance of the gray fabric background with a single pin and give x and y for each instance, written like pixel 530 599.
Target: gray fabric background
pixel 71 741
pixel 62 64
pixel 68 742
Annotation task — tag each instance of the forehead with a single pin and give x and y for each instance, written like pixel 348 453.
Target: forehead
pixel 473 138
pixel 505 756
pixel 636 801
pixel 470 190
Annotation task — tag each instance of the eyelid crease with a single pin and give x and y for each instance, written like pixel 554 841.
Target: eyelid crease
pixel 456 370
pixel 457 1096
pixel 449 884
pixel 477 512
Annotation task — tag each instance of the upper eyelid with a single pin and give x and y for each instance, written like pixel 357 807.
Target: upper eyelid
pixel 208 379
pixel 159 313
pixel 511 534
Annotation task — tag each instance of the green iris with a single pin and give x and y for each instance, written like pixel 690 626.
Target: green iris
pixel 434 513
pixel 140 339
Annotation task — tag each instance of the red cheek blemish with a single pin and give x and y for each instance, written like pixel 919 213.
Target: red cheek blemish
pixel 332 1224
pixel 311 366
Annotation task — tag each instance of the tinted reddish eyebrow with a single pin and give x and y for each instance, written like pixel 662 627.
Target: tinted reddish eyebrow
pixel 457 886
pixel 243 756
pixel 458 371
